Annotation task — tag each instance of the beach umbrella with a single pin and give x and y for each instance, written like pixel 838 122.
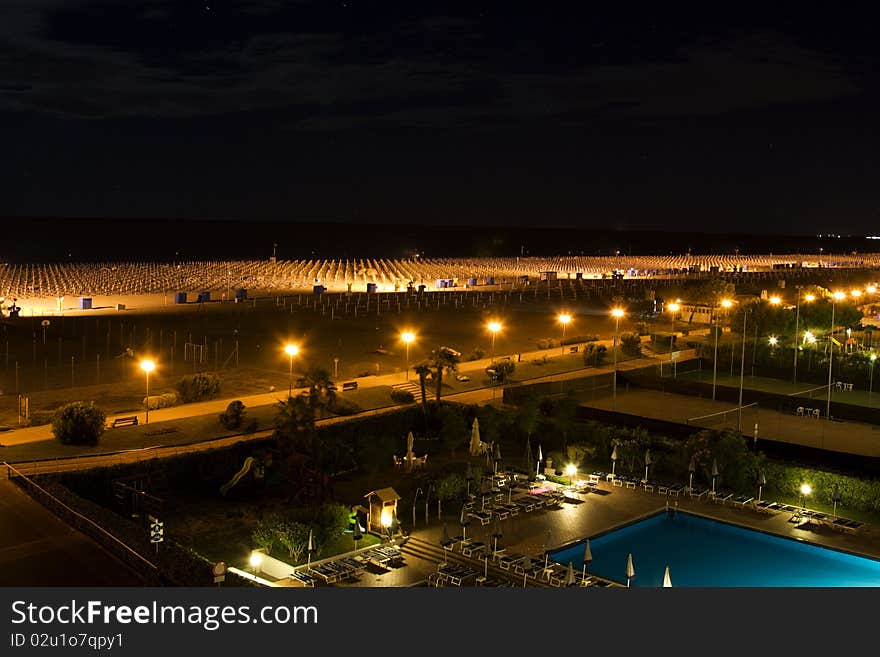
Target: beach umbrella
pixel 540 458
pixel 692 467
pixel 588 555
pixel 547 548
pixel 569 575
pixel 614 458
pixel 835 498
pixel 496 533
pixel 648 462
pixel 630 571
pixel 497 456
pixel 464 521
pixel 714 474
pixel 357 535
pixel 445 541
pixel 667 581
pixel 762 481
pixel 526 566
pixel 410 440
pixel 475 438
pixel 311 547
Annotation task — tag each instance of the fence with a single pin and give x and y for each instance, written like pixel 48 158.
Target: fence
pixel 740 418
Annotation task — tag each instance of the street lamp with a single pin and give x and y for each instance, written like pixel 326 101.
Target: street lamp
pixel 255 561
pixel 871 378
pixel 805 491
pixel 837 296
pixel 148 366
pixel 673 308
pixel 616 313
pixel 808 298
pixel 407 337
pixel 742 369
pixel 493 327
pixel 563 319
pixel 291 350
pixel 726 304
pixel 571 471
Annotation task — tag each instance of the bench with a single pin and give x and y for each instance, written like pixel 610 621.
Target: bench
pixel 349 385
pixel 125 421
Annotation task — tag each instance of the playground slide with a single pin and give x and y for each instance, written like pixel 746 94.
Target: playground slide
pixel 248 464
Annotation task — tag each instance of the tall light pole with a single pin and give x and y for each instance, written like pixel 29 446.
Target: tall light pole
pixel 797 317
pixel 871 378
pixel 725 303
pixel 493 327
pixel 407 337
pixel 148 366
pixel 564 319
pixel 673 308
pixel 837 296
pixel 616 313
pixel 742 369
pixel 291 350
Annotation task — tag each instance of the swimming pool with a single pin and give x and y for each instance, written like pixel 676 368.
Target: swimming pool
pixel 704 552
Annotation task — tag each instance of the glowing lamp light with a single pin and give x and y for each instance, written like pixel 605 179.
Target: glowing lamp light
pixel 674 307
pixel 291 350
pixel 809 337
pixel 256 559
pixel 773 340
pixel 726 303
pixel 806 489
pixel 617 312
pixel 873 357
pixel 871 289
pixel 810 297
pixel 407 336
pixel 494 326
pixel 386 518
pixel 148 365
pixel 564 318
pixel 571 469
pixel 775 301
pixel 856 293
pixel 839 295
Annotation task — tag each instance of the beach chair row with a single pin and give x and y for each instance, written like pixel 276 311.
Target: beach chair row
pixel 454 574
pixel 338 570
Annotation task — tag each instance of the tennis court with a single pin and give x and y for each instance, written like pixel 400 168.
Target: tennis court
pixel 849 437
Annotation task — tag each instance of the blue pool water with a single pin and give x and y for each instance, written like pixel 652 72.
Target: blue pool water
pixel 703 552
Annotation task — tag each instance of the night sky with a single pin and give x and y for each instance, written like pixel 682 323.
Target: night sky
pixel 423 112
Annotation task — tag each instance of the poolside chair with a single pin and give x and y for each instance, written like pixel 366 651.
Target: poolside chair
pixel 742 500
pixel 699 493
pixel 508 561
pixel 722 497
pixel 766 506
pixel 304 578
pixel 675 490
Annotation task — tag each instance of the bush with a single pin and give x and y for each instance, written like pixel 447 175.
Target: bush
pixel 343 407
pixel 252 425
pixel 595 354
pixel 402 397
pixel 577 339
pixel 642 328
pixel 477 354
pixel 547 343
pixel 198 387
pixel 79 423
pixel 233 416
pixel 161 401
pixel 631 344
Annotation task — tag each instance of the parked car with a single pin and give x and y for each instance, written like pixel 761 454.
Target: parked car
pixel 462 377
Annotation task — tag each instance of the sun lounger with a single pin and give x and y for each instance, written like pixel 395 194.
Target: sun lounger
pixel 500 512
pixel 508 561
pixel 722 497
pixel 699 493
pixel 617 481
pixel 483 516
pixel 525 503
pixel 675 490
pixel 766 506
pixel 631 483
pixel 742 500
pixel 327 574
pixel 473 549
pixel 649 486
pixel 512 509
pixel 304 578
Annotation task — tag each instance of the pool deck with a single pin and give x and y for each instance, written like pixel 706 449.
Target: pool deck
pixel 600 511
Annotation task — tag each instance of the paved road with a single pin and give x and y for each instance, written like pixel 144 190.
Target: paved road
pixel 39 549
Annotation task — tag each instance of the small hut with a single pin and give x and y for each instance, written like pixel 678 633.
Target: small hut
pixel 381 509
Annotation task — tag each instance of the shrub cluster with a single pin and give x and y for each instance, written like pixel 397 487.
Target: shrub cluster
pixel 198 387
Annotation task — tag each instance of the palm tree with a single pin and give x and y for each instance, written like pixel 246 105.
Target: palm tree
pixel 423 369
pixel 322 390
pixel 443 359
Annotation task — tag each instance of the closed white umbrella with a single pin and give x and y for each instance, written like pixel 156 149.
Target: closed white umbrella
pixel 475 438
pixel 614 458
pixel 667 581
pixel 762 481
pixel 540 458
pixel 311 547
pixel 464 521
pixel 526 566
pixel 714 474
pixel 692 467
pixel 630 570
pixel 569 575
pixel 648 462
pixel 835 498
pixel 588 555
